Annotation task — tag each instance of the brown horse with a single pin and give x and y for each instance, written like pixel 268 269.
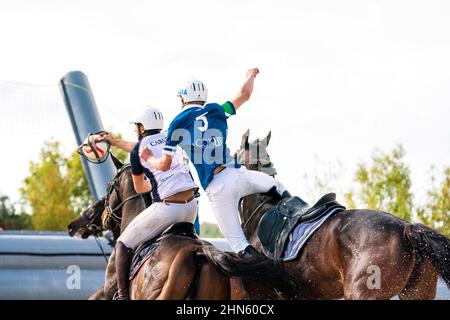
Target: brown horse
pixel 88 223
pixel 182 267
pixel 178 269
pixel 353 249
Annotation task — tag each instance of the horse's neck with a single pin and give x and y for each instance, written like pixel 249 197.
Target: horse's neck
pixel 249 205
pixel 131 210
pixel 132 207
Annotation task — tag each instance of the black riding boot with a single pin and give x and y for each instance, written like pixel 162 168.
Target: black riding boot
pixel 273 192
pixel 123 261
pixel 250 253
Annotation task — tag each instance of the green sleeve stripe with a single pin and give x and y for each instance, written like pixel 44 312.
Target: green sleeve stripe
pixel 228 108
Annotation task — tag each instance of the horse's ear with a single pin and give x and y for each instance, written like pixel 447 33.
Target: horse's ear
pixel 266 140
pixel 244 142
pixel 116 162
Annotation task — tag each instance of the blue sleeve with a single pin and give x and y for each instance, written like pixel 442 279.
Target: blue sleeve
pixel 136 168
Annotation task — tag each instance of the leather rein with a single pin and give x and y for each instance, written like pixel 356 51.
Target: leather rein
pixel 259 167
pixel 113 185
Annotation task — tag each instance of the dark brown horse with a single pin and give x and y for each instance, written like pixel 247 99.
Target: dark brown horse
pixel 355 254
pixel 178 268
pixel 89 223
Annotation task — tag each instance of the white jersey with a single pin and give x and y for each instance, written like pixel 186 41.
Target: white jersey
pixel 164 184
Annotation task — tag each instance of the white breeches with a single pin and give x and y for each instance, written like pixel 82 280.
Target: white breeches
pixel 155 219
pixel 224 193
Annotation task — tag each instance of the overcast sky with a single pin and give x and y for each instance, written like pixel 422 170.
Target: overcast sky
pixel 338 78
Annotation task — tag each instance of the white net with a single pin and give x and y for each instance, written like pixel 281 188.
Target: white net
pixel 30 115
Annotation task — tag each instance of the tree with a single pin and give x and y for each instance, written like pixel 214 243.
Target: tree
pixel 49 186
pixel 80 195
pixel 210 230
pixel 119 153
pixel 386 183
pixel 436 211
pixel 56 188
pixel 10 219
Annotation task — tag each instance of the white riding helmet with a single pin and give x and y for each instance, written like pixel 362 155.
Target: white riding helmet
pixel 150 118
pixel 193 90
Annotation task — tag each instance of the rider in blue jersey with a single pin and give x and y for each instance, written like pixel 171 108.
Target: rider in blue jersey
pixel 201 130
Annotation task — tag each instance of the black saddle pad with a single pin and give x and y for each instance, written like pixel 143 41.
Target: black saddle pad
pixel 143 251
pixel 277 223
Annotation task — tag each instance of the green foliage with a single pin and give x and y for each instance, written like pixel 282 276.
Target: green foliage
pixel 55 189
pixel 350 202
pixel 119 153
pixel 436 211
pixel 10 219
pixel 80 195
pixel 210 230
pixel 386 183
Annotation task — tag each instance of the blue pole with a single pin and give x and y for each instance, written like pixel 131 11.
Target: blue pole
pixel 84 116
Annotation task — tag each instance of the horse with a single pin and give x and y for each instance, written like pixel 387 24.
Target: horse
pixel 179 268
pixel 88 223
pixel 340 259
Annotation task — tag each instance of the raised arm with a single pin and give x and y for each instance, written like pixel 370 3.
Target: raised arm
pixel 246 90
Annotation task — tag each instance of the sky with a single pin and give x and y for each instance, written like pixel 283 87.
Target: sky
pixel 337 78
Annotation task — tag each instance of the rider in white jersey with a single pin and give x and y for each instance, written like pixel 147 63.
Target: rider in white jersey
pixel 173 192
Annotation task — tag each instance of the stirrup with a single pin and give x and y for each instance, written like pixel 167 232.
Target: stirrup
pixel 117 297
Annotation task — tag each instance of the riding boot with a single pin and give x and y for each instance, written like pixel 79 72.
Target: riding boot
pixel 286 194
pixel 250 253
pixel 273 192
pixel 123 261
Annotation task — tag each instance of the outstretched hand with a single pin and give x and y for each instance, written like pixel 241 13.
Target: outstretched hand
pixel 108 137
pixel 252 73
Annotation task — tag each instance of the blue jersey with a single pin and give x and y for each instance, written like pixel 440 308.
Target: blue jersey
pixel 202 132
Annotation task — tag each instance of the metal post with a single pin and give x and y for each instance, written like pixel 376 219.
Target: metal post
pixel 84 116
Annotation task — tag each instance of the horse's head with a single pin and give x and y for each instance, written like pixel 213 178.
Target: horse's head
pixel 88 222
pixel 254 154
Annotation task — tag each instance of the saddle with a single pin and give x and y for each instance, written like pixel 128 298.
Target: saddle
pixel 276 224
pixel 141 252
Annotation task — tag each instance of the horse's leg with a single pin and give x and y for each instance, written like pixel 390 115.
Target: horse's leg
pixel 237 289
pixel 181 274
pixel 110 287
pixel 165 278
pixel 98 295
pixel 212 284
pixel 422 283
pixel 378 273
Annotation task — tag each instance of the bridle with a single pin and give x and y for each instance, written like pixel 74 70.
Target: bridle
pixel 89 222
pixel 259 167
pixel 90 225
pixel 113 185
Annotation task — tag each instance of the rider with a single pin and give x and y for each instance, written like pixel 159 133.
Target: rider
pixel 172 190
pixel 201 129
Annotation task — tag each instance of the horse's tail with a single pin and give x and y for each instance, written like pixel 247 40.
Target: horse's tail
pixel 259 269
pixel 433 245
